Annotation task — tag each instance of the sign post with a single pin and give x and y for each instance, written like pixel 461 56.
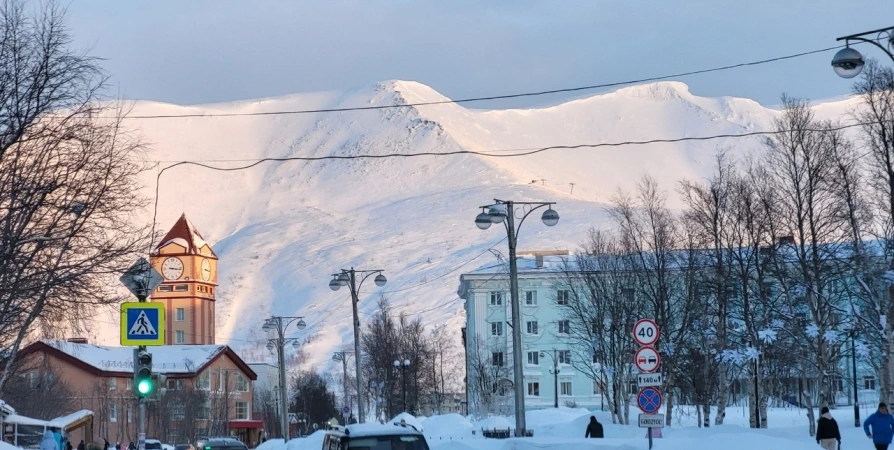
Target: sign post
pixel 648 362
pixel 141 279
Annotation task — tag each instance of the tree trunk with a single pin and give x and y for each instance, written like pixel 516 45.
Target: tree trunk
pixel 808 401
pixel 706 407
pixel 698 412
pixel 722 396
pixel 669 396
pixel 752 401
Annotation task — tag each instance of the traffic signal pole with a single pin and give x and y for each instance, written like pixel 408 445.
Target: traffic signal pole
pixel 141 411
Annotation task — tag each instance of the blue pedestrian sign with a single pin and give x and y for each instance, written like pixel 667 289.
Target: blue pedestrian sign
pixel 143 323
pixel 649 400
pixel 346 410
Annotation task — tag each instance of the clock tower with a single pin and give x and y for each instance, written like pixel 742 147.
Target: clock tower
pixel 189 268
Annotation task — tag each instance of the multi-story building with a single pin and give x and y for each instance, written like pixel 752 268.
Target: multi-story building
pixel 207 389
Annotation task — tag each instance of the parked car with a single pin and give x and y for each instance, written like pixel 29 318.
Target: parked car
pixel 373 436
pixel 153 444
pixel 184 447
pixel 228 443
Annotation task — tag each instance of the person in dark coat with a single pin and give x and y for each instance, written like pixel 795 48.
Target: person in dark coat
pixel 594 429
pixel 827 434
pixel 81 445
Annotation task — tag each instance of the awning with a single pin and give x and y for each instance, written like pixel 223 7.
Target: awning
pixel 246 424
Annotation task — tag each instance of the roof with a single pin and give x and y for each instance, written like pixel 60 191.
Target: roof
pixel 375 429
pixel 63 422
pixel 184 234
pixel 186 360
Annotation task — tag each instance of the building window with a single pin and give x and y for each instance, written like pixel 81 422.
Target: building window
pixel 837 384
pixel 564 327
pixel 241 410
pixel 204 412
pixel 113 412
pixel 181 315
pixel 534 388
pixel 497 359
pixel 562 298
pixel 596 390
pixel 531 298
pixel 204 381
pixel 129 413
pixel 34 380
pixel 241 383
pixel 165 288
pixel 181 288
pixel 532 327
pixel 564 356
pixel 496 329
pixel 113 383
pixel 496 298
pixel 180 337
pixel 869 382
pixel 627 294
pixel 565 388
pixel 534 358
pixel 128 384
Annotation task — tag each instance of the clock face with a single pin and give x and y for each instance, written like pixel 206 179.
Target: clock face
pixel 172 268
pixel 206 269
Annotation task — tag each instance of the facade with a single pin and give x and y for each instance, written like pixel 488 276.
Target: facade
pixel 189 267
pixel 488 336
pixel 206 390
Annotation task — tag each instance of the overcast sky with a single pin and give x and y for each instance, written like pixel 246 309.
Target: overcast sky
pixel 201 51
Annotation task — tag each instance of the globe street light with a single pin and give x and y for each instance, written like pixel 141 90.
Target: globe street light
pixel 503 211
pixel 848 62
pixel 403 376
pixel 349 278
pixel 279 324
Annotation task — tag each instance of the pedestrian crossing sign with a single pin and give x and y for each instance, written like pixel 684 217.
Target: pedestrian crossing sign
pixel 143 323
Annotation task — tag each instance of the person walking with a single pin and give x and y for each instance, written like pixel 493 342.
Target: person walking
pixel 49 441
pixel 827 434
pixel 880 427
pixel 594 428
pixel 81 445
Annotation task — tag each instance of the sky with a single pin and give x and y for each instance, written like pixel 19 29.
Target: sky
pixel 205 51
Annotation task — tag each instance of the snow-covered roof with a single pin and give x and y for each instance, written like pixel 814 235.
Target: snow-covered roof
pixel 376 429
pixel 184 234
pixel 60 422
pixel 166 359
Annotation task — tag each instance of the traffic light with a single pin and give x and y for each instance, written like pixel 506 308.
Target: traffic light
pixel 142 373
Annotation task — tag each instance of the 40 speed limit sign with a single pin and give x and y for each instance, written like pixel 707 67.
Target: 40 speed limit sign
pixel 645 332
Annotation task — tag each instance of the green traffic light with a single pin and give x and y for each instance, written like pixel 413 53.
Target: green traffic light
pixel 144 387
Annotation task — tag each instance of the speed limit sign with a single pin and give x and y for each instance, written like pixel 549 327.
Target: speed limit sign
pixel 645 332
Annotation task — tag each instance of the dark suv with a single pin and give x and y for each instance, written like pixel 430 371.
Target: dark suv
pixel 373 436
pixel 223 444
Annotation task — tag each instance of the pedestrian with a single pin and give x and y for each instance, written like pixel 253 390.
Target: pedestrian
pixel 49 441
pixel 81 445
pixel 827 434
pixel 880 427
pixel 67 444
pixel 594 429
pixel 131 446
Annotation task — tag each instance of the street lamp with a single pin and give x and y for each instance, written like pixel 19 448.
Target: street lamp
pixel 555 373
pixel 853 336
pixel 848 62
pixel 504 212
pixel 343 357
pixel 403 365
pixel 279 324
pixel 349 278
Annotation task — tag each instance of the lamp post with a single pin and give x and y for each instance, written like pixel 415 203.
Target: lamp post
pixel 403 366
pixel 349 278
pixel 343 357
pixel 279 324
pixel 848 62
pixel 853 333
pixel 555 373
pixel 503 211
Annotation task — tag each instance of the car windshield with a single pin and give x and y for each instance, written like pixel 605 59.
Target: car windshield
pixel 408 442
pixel 153 446
pixel 182 447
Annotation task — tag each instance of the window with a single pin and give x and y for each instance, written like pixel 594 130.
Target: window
pixel 181 288
pixel 596 390
pixel 565 388
pixel 869 383
pixel 181 315
pixel 496 329
pixel 180 337
pixel 241 383
pixel 204 412
pixel 627 294
pixel 497 359
pixel 532 327
pixel 562 298
pixel 837 384
pixel 113 412
pixel 34 380
pixel 531 298
pixel 534 358
pixel 564 327
pixel 534 388
pixel 204 381
pixel 496 298
pixel 113 383
pixel 241 410
pixel 174 384
pixel 564 356
pixel 165 288
pixel 178 412
pixel 128 384
pixel 129 413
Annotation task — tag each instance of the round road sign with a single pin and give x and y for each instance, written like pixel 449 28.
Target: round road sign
pixel 645 332
pixel 649 400
pixel 647 359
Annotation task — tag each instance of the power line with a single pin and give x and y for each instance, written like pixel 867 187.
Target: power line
pixel 492 97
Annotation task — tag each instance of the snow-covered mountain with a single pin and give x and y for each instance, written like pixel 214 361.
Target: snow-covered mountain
pixel 282 228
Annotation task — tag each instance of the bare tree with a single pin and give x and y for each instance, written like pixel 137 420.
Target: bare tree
pixel 37 391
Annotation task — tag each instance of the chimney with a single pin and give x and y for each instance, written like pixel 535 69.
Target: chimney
pixel 77 340
pixel 539 258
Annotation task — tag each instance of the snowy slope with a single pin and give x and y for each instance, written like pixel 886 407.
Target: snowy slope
pixel 282 228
